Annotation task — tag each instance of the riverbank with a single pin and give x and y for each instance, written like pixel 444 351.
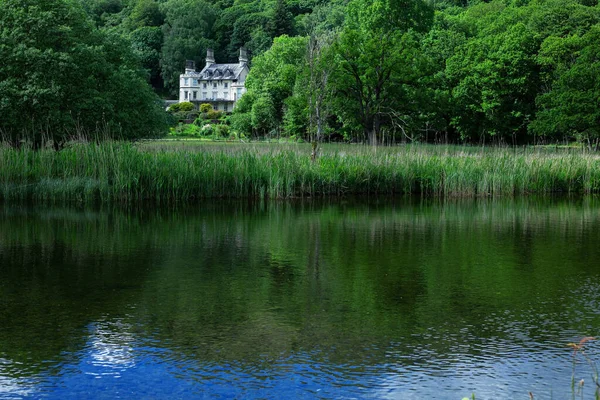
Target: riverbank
pixel 184 171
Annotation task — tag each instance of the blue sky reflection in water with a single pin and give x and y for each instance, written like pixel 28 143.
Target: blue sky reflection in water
pixel 350 299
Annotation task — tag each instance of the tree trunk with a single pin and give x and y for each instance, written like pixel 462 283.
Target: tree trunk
pixel 374 133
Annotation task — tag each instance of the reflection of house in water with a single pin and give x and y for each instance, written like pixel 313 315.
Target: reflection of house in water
pixel 218 84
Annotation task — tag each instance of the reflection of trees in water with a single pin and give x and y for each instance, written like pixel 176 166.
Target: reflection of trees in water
pixel 62 270
pixel 336 276
pixel 238 281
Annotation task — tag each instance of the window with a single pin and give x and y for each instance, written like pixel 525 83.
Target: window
pixel 195 82
pixel 214 95
pixel 215 85
pixel 239 93
pixel 195 94
pixel 204 95
pixel 225 85
pixel 185 95
pixel 225 107
pixel 186 81
pixel 225 95
pixel 204 86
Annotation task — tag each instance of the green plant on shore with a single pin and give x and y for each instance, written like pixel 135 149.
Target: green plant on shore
pixel 115 171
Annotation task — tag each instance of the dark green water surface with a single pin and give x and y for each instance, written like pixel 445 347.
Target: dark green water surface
pixel 398 299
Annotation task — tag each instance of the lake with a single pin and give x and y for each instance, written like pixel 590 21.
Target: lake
pixel 345 299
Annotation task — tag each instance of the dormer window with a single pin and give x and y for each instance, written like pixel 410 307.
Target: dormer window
pixel 215 85
pixel 225 85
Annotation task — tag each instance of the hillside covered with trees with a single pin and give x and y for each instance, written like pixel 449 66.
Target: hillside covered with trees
pixel 377 71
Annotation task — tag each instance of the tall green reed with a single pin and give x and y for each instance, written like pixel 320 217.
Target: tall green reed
pixel 124 172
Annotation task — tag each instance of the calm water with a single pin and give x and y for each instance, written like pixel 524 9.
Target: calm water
pixel 394 299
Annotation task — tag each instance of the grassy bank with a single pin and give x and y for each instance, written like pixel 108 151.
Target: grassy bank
pixel 183 171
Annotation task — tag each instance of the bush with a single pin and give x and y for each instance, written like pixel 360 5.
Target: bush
pixel 222 130
pixel 241 123
pixel 207 130
pixel 213 114
pixel 185 130
pixel 185 106
pixel 180 116
pixel 205 107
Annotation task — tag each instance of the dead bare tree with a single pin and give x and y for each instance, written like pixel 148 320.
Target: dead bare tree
pixel 319 90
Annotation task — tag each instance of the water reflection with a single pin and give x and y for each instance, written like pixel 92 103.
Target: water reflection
pixel 110 348
pixel 397 299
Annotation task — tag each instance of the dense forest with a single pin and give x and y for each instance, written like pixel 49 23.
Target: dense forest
pixel 377 71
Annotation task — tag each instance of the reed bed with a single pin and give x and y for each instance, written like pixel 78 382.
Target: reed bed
pixel 124 172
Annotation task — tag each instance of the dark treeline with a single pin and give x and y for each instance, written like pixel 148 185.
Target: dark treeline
pixel 377 71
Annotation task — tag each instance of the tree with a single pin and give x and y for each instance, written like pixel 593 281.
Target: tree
pixel 377 55
pixel 281 22
pixel 187 35
pixel 495 81
pixel 571 108
pixel 263 115
pixel 61 76
pixel 146 13
pixel 320 67
pixel 270 83
pixel 146 43
pixel 243 30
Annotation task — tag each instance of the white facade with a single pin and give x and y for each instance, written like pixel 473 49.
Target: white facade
pixel 218 84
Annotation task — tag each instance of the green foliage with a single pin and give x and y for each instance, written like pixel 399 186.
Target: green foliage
pixel 187 31
pixel 295 118
pixel 505 71
pixel 222 130
pixel 127 173
pixel 263 115
pixel 146 43
pixel 495 80
pixel 61 76
pixel 378 57
pixel 270 83
pixel 214 114
pixel 572 105
pixel 147 13
pixel 281 22
pixel 241 123
pixel 184 106
pixel 205 107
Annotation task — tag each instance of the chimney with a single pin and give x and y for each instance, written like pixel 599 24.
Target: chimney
pixel 190 66
pixel 210 57
pixel 243 56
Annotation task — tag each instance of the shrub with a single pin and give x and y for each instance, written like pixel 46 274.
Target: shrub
pixel 205 107
pixel 241 123
pixel 185 106
pixel 222 130
pixel 207 130
pixel 214 114
pixel 192 115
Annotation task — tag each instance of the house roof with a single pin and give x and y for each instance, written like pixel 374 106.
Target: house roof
pixel 215 72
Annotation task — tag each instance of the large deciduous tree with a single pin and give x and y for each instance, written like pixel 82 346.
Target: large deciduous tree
pixel 270 83
pixel 60 75
pixel 572 105
pixel 377 56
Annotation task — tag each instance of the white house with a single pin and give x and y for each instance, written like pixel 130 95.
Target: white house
pixel 218 84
